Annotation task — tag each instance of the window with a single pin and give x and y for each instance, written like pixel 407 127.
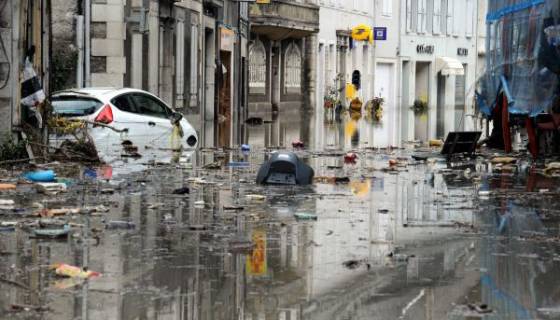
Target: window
pixel 326 75
pixel 179 63
pixel 421 13
pixel 193 77
pixel 74 106
pixel 408 15
pixel 292 69
pixel 149 106
pixel 449 18
pixel 124 103
pixel 436 28
pixel 470 18
pixel 459 21
pixel 387 8
pixel 330 65
pixel 257 67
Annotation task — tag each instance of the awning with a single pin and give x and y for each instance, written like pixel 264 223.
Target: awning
pixel 449 66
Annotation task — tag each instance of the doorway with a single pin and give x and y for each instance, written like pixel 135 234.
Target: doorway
pixel 383 134
pixel 460 100
pixel 224 105
pixel 422 93
pixel 209 87
pixel 405 102
pixel 440 108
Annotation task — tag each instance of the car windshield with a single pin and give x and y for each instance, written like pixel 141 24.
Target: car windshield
pixel 75 106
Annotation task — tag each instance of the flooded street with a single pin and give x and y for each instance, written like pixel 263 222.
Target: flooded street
pixel 418 240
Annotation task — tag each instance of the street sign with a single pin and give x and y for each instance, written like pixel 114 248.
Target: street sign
pixel 380 33
pixel 262 1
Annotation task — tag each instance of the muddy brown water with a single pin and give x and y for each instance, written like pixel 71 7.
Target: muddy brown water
pixel 415 241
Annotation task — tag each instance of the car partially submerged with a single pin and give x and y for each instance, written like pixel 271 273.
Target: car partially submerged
pixel 124 122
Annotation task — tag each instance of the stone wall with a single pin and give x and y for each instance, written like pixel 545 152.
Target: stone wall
pixel 108 63
pixel 6 68
pixel 64 58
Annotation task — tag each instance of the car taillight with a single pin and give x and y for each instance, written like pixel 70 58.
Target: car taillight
pixel 105 116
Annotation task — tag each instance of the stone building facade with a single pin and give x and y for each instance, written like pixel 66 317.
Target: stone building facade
pixel 24 32
pixel 438 62
pixel 282 56
pixel 182 51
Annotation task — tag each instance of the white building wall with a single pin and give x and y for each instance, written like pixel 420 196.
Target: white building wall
pixel 452 36
pixel 112 47
pixel 344 15
pixel 386 74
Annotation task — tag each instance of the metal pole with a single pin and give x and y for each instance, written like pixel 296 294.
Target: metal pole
pixel 87 44
pixel 80 46
pixel 241 87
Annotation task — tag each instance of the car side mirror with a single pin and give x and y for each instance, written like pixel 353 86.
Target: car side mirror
pixel 176 117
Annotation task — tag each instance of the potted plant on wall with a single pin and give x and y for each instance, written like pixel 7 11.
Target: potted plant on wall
pixel 330 98
pixel 377 108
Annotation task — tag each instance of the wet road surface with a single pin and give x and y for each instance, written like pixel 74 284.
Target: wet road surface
pixel 467 240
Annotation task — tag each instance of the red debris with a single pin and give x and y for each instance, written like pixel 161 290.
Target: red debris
pixel 350 158
pixel 298 144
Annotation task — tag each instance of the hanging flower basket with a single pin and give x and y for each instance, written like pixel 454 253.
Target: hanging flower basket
pixel 356 105
pixel 328 103
pixel 375 108
pixel 420 107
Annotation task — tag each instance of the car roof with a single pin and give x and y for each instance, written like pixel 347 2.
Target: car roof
pixel 97 92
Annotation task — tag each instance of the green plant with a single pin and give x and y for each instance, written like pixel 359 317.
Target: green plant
pixel 330 100
pixel 63 70
pixel 377 108
pixel 420 106
pixel 12 150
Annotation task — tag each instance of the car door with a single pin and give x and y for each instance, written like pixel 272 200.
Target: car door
pixel 158 127
pixel 127 117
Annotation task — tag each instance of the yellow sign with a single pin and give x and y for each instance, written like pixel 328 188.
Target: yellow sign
pixel 256 261
pixel 262 1
pixel 362 32
pixel 360 188
pixel 350 91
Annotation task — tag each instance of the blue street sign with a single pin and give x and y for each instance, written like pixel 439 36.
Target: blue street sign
pixel 380 33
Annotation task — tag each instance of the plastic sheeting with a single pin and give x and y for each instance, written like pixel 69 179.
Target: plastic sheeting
pixel 521 60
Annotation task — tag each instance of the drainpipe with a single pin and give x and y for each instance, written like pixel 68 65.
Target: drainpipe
pixel 80 46
pixel 87 42
pixel 374 77
pixel 238 114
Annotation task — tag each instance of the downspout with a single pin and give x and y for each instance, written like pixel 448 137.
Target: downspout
pixel 239 137
pixel 16 64
pixel 476 35
pixel 80 47
pixel 374 77
pixel 87 42
pixel 400 83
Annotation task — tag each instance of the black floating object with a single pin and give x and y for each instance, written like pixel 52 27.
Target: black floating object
pixel 254 121
pixel 184 190
pixel 285 168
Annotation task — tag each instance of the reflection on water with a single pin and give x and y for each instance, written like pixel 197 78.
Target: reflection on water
pixel 325 129
pixel 412 242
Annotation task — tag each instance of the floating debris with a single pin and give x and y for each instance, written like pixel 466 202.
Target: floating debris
pixel 255 197
pixel 52 233
pixel 117 224
pixel 66 270
pixel 305 216
pixel 51 188
pixel 7 186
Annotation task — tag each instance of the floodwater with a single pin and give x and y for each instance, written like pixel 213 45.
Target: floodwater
pixel 414 241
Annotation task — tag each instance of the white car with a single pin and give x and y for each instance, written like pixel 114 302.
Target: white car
pixel 139 118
